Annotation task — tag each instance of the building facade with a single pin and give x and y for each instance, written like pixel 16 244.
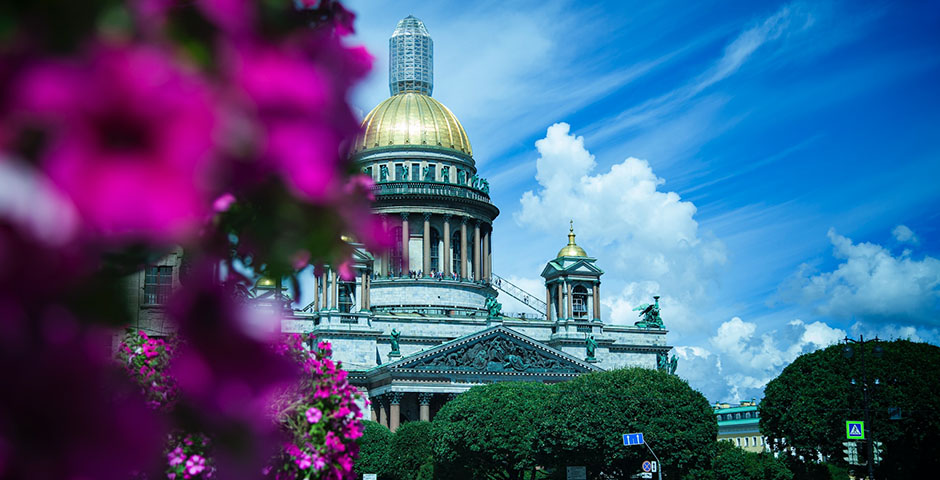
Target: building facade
pixel 421 323
pixel 740 425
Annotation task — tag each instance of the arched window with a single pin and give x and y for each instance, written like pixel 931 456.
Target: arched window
pixel 395 264
pixel 579 302
pixel 435 250
pixel 346 290
pixel 455 249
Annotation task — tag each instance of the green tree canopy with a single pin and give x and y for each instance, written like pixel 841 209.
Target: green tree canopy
pixel 805 408
pixel 490 432
pixel 585 423
pixel 373 450
pixel 410 450
pixel 734 463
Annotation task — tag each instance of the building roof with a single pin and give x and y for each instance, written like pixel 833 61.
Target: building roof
pixel 412 119
pixel 747 408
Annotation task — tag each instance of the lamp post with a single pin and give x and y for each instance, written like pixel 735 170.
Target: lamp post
pixel 848 352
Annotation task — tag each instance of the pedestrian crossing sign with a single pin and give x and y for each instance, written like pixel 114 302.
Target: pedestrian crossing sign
pixel 855 430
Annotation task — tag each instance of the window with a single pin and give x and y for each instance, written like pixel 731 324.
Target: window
pixel 395 266
pixel 346 290
pixel 435 250
pixel 400 172
pixel 158 283
pixel 737 416
pixel 432 173
pixel 416 172
pixel 738 441
pixel 456 248
pixel 579 302
pixel 745 441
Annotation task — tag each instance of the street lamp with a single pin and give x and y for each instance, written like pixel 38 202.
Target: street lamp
pixel 877 351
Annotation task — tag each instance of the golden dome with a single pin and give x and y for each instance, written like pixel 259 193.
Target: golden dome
pixel 412 119
pixel 572 249
pixel 266 282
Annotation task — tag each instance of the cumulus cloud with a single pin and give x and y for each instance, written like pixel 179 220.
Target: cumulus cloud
pixel 871 284
pixel 738 362
pixel 648 236
pixel 904 234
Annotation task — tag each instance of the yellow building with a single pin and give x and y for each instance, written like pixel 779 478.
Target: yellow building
pixel 740 425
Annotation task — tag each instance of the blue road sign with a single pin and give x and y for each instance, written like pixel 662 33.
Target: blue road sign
pixel 855 430
pixel 647 466
pixel 633 439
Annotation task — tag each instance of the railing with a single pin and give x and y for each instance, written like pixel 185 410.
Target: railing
pixel 430 188
pixel 513 291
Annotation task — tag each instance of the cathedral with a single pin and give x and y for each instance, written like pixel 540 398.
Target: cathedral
pixel 422 323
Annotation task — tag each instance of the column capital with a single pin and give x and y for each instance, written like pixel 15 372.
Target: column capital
pixel 425 398
pixel 477 222
pixel 451 396
pixel 427 216
pixel 464 220
pixel 394 398
pixel 380 400
pixel 447 217
pixel 404 215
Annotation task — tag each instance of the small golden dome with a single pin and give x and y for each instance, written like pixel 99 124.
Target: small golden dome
pixel 412 119
pixel 266 282
pixel 572 249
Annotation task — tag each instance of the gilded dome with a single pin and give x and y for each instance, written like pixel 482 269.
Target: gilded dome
pixel 572 249
pixel 412 119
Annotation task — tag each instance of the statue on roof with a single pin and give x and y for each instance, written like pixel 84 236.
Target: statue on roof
pixel 461 177
pixel 591 347
pixel 383 173
pixel 650 315
pixel 426 173
pixel 445 174
pixel 395 335
pixel 493 308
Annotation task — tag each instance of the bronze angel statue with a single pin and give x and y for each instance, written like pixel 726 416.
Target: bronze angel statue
pixel 649 314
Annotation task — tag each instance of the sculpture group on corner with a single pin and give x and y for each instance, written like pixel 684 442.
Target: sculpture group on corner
pixel 649 314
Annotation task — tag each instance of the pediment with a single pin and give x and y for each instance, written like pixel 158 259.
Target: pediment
pixel 583 266
pixel 495 350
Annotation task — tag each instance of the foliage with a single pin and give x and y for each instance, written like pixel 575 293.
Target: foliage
pixel 410 450
pixel 805 408
pixel 587 417
pixel 734 463
pixel 490 431
pixel 189 458
pixel 133 128
pixel 374 446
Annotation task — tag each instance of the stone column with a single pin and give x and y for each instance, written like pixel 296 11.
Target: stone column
pixel 326 288
pixel 383 409
pixel 368 292
pixel 447 255
pixel 424 400
pixel 405 235
pixel 559 304
pixel 362 293
pixel 597 302
pixel 316 288
pixel 476 251
pixel 334 290
pixel 426 246
pixel 570 309
pixel 548 303
pixel 463 247
pixel 394 411
pixel 484 246
pixel 489 253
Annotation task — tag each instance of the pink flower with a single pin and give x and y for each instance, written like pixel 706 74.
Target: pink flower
pixel 176 456
pixel 314 414
pixel 129 139
pixel 195 465
pixel 304 462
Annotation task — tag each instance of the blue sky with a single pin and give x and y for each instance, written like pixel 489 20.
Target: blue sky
pixel 770 168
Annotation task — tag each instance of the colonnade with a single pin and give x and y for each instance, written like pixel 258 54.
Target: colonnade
pixel 386 408
pixel 561 305
pixel 327 290
pixel 474 234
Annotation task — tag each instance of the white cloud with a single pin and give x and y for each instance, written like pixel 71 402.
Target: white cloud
pixel 739 362
pixel 904 234
pixel 648 236
pixel 871 284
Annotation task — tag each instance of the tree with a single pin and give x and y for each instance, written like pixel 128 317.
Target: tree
pixel 734 463
pixel 373 450
pixel 805 408
pixel 490 432
pixel 587 417
pixel 410 450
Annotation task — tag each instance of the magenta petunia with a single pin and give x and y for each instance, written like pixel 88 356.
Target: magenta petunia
pixel 129 139
pixel 314 415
